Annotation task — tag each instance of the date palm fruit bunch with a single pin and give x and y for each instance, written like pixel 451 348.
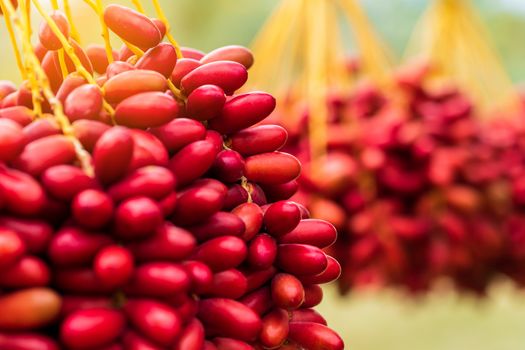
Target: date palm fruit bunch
pixel 418 193
pixel 403 162
pixel 139 207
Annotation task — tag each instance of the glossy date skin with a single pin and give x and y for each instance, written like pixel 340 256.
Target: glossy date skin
pixel 172 241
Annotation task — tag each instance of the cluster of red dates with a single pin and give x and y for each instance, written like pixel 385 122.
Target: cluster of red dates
pixel 184 237
pixel 418 187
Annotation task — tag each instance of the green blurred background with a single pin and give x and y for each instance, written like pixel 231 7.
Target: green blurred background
pixel 367 320
pixel 206 24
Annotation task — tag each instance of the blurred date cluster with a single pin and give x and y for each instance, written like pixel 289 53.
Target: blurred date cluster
pixel 418 185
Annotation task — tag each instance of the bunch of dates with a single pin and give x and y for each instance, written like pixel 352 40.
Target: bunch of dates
pixel 418 186
pixel 184 237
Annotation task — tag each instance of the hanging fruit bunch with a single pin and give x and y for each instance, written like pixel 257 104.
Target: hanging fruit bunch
pixel 400 162
pixel 139 208
pixel 424 195
pixel 451 37
pixel 311 64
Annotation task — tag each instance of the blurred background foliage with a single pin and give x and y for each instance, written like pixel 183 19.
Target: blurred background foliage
pixel 443 320
pixel 367 320
pixel 207 24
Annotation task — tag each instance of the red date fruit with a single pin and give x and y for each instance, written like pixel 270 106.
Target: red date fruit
pixel 48 39
pixel 99 58
pixel 71 246
pixel 252 216
pixel 274 329
pixel 192 161
pixel 287 291
pixel 313 294
pixel 27 272
pixel 35 234
pixel 227 75
pixel 301 259
pixel 262 251
pixel 205 102
pixel 306 315
pixel 191 337
pixel 21 193
pixel 243 111
pixel 11 140
pixel 259 139
pixel 118 67
pixel 259 301
pixel 229 318
pixel 44 153
pixel 88 132
pixel 132 82
pixel 231 344
pixel 11 248
pixel 38 129
pixel 167 224
pixel 201 276
pixel 93 328
pixel 159 279
pixel 155 320
pixel 315 232
pixel 179 133
pixel 137 217
pixel 233 53
pixel 222 253
pixel 146 110
pixel 282 217
pixel 26 341
pixel 182 68
pixel 92 208
pixel 332 272
pixel 219 224
pixel 315 336
pixel 161 58
pixel 231 284
pixel 112 154
pixel 153 181
pixel 113 266
pixel 132 26
pixel 33 308
pixel 84 102
pixel 66 181
pixel 272 168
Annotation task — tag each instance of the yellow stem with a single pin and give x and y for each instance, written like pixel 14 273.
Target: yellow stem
pixel 70 51
pixel 105 31
pixel 269 47
pixel 74 31
pixel 82 155
pixel 338 72
pixel 138 6
pixel 300 86
pixel 14 44
pixel 28 16
pixel 54 4
pixel 247 188
pixel 137 51
pixel 297 27
pixel 176 92
pixel 92 4
pixel 163 18
pixel 454 40
pixel 316 80
pixel 375 57
pixel 36 96
pixel 62 63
